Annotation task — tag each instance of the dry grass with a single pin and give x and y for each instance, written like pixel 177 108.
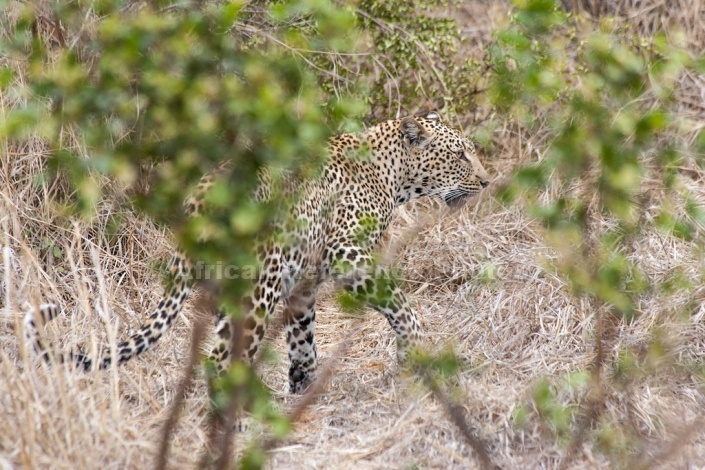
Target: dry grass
pixel 480 278
pixel 673 17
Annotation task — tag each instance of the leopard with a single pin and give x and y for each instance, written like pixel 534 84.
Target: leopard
pixel 341 217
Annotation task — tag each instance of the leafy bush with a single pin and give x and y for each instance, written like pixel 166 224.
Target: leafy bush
pixel 610 127
pixel 416 57
pixel 115 88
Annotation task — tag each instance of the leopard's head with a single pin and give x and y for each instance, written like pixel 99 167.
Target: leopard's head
pixel 444 163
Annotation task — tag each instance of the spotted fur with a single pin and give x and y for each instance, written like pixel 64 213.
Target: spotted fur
pixel 340 218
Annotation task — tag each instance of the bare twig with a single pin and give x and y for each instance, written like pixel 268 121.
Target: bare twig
pixel 595 399
pixel 674 448
pixel 205 306
pixel 224 425
pixel 456 415
pixel 224 428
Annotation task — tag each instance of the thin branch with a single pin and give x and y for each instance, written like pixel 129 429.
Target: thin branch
pixel 205 307
pixel 674 448
pixel 224 427
pixel 456 414
pixel 230 414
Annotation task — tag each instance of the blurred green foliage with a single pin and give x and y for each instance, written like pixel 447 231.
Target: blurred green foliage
pixel 606 98
pixel 117 89
pixel 611 126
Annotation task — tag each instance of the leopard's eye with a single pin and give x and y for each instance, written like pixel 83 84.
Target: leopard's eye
pixel 461 154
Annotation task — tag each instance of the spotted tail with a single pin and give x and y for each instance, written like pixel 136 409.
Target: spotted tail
pixel 158 322
pixel 153 329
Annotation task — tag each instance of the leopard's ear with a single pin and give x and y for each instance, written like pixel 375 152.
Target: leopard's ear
pixel 434 116
pixel 414 132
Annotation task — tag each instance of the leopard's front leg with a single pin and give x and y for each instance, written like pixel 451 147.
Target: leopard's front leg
pixel 359 274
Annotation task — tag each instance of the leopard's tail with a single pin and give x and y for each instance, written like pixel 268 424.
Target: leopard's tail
pixel 153 329
pixel 158 322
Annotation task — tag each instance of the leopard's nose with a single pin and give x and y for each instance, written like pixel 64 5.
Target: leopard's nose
pixel 484 183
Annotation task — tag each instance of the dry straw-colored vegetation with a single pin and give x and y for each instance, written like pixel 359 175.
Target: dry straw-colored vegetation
pixel 483 279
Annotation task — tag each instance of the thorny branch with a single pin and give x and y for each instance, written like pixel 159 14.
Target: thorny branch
pixel 205 306
pixel 456 415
